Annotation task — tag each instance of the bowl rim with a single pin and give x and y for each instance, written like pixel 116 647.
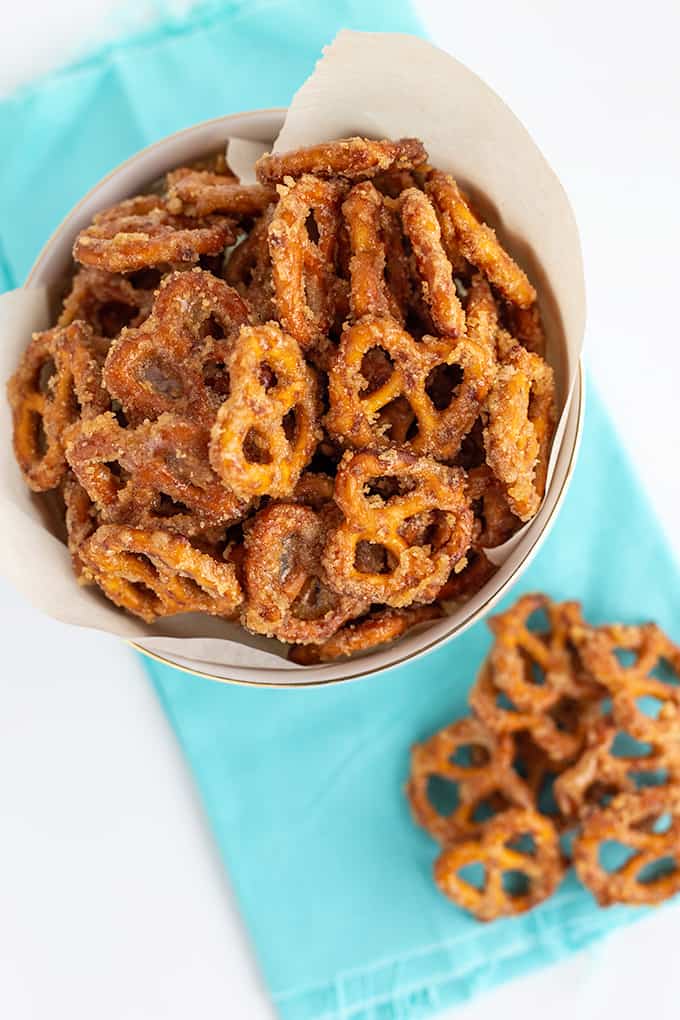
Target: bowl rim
pixel 220 126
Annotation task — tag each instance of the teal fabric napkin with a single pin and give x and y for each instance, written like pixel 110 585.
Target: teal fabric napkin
pixel 304 789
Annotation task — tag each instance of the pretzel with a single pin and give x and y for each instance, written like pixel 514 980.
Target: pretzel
pixel 289 595
pixel 175 361
pixel 365 634
pixel 106 301
pixel 518 651
pixel 249 269
pixel 80 518
pixel 487 775
pixel 649 646
pixel 359 414
pixel 313 489
pixel 599 773
pixel 495 523
pixel 308 290
pixel 559 731
pixel 415 569
pixel 629 819
pixel 498 850
pixel 201 192
pixel 58 380
pixel 526 326
pixel 521 422
pixel 365 216
pixel 466 581
pixel 477 242
pixel 154 573
pixel 351 158
pixel 439 291
pixel 267 429
pixel 155 475
pixel 140 232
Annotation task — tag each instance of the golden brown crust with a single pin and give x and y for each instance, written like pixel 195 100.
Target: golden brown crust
pixel 267 429
pixel 350 158
pixel 365 634
pixel 498 851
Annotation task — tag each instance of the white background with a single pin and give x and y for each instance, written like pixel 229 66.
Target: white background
pixel 113 903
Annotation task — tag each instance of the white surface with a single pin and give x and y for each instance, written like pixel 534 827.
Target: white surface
pixel 112 900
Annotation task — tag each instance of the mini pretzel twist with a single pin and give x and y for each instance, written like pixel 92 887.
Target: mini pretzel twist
pixel 350 158
pixel 57 382
pixel 365 634
pixel 649 648
pixel 175 361
pixel 498 850
pixel 477 242
pixel 360 415
pixel 521 422
pixel 434 269
pixel 630 819
pixel 106 301
pixel 140 232
pixel 434 509
pixel 599 773
pixel 308 291
pixel 155 475
pixel 289 593
pixel 155 573
pixel 267 429
pixel 202 192
pixel 486 776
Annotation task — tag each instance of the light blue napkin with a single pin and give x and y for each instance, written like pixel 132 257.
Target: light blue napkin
pixel 304 789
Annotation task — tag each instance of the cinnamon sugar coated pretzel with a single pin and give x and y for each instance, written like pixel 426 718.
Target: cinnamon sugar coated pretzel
pixel 557 741
pixel 311 404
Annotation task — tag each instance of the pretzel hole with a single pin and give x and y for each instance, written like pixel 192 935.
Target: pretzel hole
pixel 516 883
pixel 37 436
pixel 533 673
pixel 473 874
pixel 470 756
pixel 374 558
pixel 216 377
pixel 655 871
pixel 626 656
pixel 145 279
pixel 650 705
pixel 489 806
pixel 163 378
pixel 397 421
pixel 113 316
pixel 313 602
pixel 376 368
pixel 664 671
pixel 212 327
pixel 267 376
pixel 443 795
pixel 312 228
pixel 442 383
pixel 45 373
pixel 662 824
pixel 119 413
pixel 503 702
pixel 538 621
pixel 289 424
pixel 649 777
pixel 169 507
pixel 118 476
pixel 613 855
pixel 255 448
pixel 625 746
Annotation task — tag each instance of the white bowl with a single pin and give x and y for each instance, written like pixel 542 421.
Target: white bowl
pixel 54 263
